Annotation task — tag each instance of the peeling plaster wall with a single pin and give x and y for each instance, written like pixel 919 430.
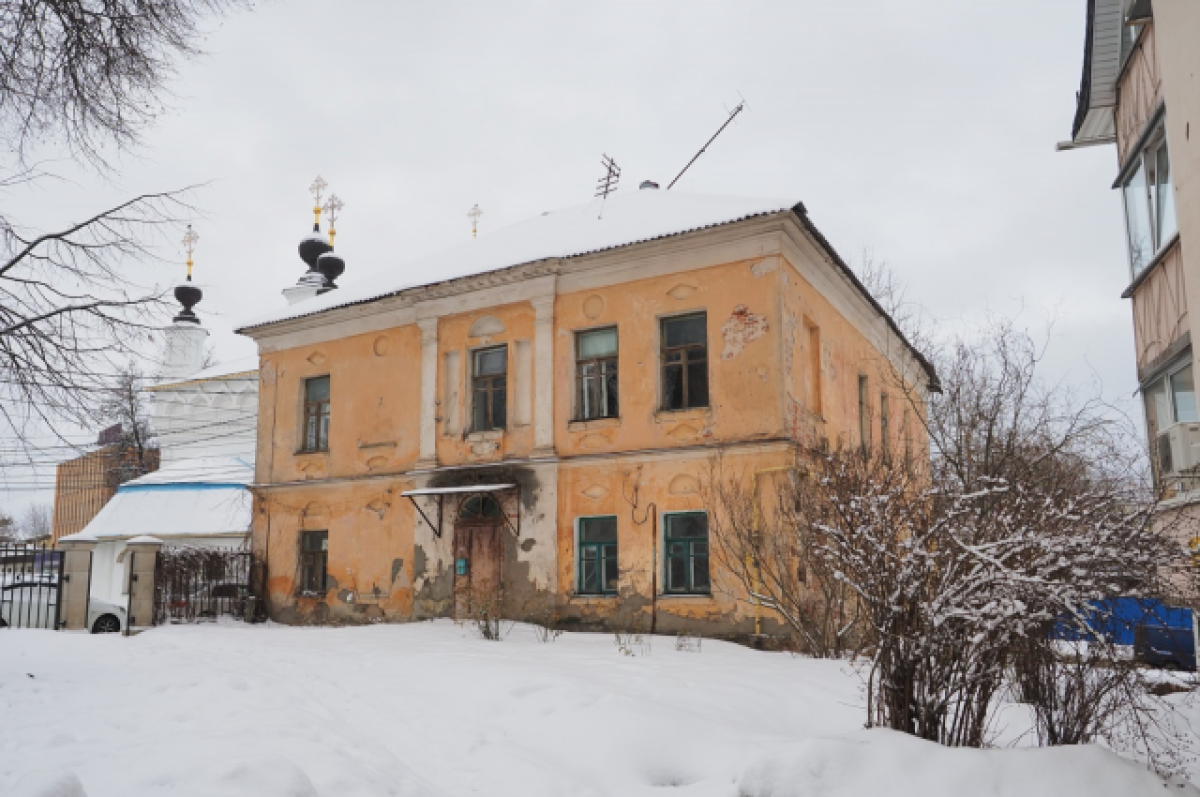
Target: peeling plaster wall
pixel 387 564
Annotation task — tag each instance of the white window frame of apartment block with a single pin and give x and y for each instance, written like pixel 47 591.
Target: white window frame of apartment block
pixel 1164 379
pixel 1156 201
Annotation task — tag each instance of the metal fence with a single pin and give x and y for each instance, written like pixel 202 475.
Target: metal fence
pixel 31 576
pixel 194 585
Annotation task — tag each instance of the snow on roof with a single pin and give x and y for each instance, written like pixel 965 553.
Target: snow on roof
pixel 227 470
pixel 628 218
pixel 177 510
pixel 240 366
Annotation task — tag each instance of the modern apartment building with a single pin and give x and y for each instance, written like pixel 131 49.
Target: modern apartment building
pixel 1141 91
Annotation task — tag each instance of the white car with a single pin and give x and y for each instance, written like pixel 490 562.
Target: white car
pixel 33 605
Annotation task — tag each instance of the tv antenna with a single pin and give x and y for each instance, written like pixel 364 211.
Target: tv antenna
pixel 741 106
pixel 612 175
pixel 608 183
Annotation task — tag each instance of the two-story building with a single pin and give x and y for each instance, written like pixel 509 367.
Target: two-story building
pixel 529 420
pixel 1141 91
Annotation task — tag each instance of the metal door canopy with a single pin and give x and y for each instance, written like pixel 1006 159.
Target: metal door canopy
pixel 474 489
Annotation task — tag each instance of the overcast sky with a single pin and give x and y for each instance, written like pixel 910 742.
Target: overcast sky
pixel 924 132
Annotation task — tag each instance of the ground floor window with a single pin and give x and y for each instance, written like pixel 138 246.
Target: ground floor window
pixel 598 555
pixel 686 541
pixel 314 556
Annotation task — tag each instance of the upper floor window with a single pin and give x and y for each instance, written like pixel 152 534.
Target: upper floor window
pixel 316 414
pixel 685 361
pixel 596 374
pixel 1149 204
pixel 489 399
pixel 864 413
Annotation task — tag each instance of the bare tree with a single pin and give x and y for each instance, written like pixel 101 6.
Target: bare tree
pixel 773 559
pixel 91 73
pixel 124 403
pixel 37 521
pixel 83 75
pixel 1032 507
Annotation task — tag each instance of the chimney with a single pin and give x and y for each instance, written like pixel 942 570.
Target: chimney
pixel 648 185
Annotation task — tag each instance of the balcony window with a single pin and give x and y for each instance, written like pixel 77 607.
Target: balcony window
pixel 1149 196
pixel 596 374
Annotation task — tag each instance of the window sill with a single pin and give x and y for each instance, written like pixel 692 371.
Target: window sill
pixel 593 423
pixel 323 452
pixel 491 434
pixel 691 413
pixel 318 596
pixel 694 596
pixel 581 597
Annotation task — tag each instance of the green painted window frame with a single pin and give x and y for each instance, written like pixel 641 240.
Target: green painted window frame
pixel 691 549
pixel 314 561
pixel 603 553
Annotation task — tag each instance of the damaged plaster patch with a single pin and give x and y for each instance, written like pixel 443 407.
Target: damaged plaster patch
pixel 763 267
pixel 527 544
pixel 740 328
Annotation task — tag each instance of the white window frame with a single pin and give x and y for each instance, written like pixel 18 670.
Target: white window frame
pixel 1144 163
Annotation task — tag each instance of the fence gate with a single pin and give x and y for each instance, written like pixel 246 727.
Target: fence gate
pixel 194 585
pixel 31 576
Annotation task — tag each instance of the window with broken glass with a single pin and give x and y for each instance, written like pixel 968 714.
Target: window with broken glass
pixel 685 362
pixel 490 394
pixel 316 414
pixel 314 557
pixel 598 556
pixel 596 374
pixel 686 541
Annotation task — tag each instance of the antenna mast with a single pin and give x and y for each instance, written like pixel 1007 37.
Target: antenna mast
pixel 608 183
pixel 740 107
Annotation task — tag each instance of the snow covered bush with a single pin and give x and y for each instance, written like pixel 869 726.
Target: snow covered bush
pixel 949 570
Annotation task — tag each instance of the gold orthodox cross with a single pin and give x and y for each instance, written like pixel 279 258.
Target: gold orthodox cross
pixel 317 188
pixel 474 215
pixel 189 243
pixel 333 207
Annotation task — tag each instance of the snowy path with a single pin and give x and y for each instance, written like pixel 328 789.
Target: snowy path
pixel 428 709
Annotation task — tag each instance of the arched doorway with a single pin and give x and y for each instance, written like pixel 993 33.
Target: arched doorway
pixel 478 558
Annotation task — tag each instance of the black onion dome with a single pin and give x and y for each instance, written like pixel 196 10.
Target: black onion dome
pixel 313 246
pixel 331 267
pixel 189 296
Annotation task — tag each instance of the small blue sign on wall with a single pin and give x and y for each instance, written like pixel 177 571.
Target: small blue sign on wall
pixel 460 567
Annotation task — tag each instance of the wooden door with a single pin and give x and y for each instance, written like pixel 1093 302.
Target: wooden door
pixel 478 557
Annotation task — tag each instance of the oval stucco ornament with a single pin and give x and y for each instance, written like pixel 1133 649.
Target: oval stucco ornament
pixel 382 345
pixel 596 491
pixel 593 306
pixel 681 291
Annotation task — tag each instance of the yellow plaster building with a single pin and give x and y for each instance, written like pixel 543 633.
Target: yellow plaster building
pixel 529 422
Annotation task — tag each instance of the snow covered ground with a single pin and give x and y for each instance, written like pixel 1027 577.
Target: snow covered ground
pixel 430 709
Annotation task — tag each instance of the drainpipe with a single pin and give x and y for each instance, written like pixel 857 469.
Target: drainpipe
pixel 754 530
